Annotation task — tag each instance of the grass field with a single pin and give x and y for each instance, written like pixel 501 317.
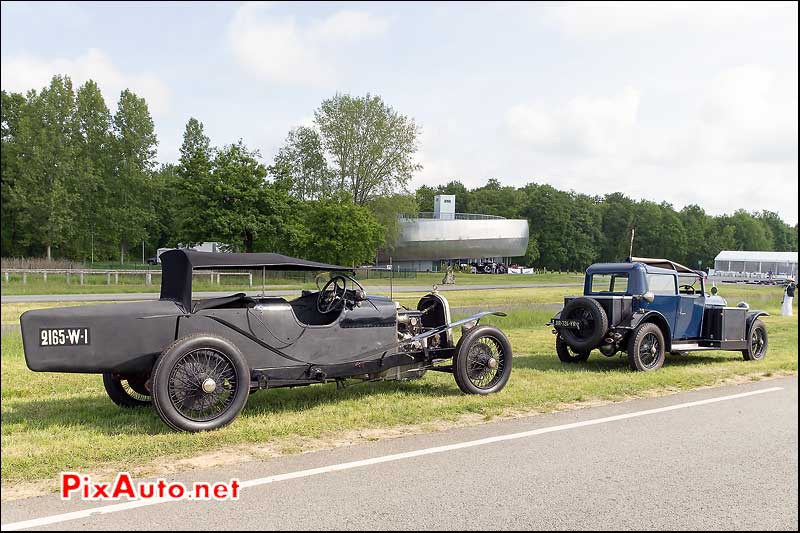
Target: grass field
pixel 55 422
pixel 96 283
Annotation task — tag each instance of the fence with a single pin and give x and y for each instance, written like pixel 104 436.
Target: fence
pixel 82 275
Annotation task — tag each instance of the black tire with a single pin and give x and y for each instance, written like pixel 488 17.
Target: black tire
pixel 589 310
pixel 178 393
pixel 757 343
pixel 567 354
pixel 646 348
pixel 127 393
pixel 472 365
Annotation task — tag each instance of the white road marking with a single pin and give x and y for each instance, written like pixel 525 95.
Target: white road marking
pixel 107 509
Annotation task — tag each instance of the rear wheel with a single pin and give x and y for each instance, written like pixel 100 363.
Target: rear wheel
pixel 126 392
pixel 482 363
pixel 757 347
pixel 567 354
pixel 646 348
pixel 200 383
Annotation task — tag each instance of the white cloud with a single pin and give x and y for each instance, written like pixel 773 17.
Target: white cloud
pixel 24 72
pixel 583 126
pixel 603 20
pixel 280 50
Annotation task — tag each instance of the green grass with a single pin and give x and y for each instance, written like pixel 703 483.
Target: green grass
pixel 97 283
pixel 55 422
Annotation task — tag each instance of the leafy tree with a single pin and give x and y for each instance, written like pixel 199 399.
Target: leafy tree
pixel 44 191
pixel 11 110
pixel 750 234
pixel 372 145
pixel 94 164
pixel 340 232
pixel 192 180
pixel 132 205
pixel 302 162
pixel 387 211
pixel 229 203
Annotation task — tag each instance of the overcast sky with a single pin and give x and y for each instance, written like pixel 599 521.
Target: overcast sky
pixel 688 103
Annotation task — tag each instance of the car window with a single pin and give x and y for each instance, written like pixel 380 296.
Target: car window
pixel 616 283
pixel 661 284
pixel 689 280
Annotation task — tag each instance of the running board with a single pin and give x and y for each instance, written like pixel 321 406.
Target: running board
pixel 691 347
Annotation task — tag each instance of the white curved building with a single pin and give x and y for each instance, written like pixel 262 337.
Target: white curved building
pixel 755 263
pixel 430 238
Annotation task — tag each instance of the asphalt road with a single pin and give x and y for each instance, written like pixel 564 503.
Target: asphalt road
pixel 659 463
pixel 131 296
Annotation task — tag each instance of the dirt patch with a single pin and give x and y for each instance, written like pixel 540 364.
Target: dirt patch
pixel 293 445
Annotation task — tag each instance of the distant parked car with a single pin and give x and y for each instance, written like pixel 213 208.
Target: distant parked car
pixel 647 307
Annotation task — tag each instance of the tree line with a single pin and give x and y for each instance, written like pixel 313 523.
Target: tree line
pixel 80 182
pixel 570 230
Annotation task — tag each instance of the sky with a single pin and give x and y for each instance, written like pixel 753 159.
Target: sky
pixel 689 103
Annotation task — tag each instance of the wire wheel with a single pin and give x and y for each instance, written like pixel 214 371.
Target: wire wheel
pixel 649 350
pixel 202 384
pixel 757 343
pixel 486 361
pixel 135 389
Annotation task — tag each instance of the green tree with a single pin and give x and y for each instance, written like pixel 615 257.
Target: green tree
pixel 192 180
pixel 132 205
pixel 302 162
pixel 372 145
pixel 388 211
pixel 11 110
pixel 93 165
pixel 230 203
pixel 340 232
pixel 44 190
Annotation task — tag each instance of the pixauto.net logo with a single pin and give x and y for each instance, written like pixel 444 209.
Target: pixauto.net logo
pixel 81 486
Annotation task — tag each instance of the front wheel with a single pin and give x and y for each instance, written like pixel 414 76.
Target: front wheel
pixel 126 392
pixel 567 355
pixel 757 345
pixel 200 383
pixel 482 363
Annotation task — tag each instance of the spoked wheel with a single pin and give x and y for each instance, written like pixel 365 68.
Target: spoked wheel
pixel 757 348
pixel 566 354
pixel 126 392
pixel 482 363
pixel 646 348
pixel 200 383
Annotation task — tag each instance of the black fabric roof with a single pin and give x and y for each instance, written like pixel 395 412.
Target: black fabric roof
pixel 177 266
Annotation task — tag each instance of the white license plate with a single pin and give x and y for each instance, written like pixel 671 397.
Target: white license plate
pixel 64 337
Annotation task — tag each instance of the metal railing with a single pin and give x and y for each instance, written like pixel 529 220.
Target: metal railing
pixel 458 216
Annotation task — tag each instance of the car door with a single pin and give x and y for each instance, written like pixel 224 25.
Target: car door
pixel 690 316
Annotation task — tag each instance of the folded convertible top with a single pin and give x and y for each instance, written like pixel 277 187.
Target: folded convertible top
pixel 177 266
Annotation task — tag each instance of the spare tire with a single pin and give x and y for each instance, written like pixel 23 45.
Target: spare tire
pixel 593 315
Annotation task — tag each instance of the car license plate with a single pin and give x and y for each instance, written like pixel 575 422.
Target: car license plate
pixel 64 337
pixel 567 323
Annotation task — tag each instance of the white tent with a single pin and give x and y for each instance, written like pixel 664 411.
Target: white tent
pixel 754 262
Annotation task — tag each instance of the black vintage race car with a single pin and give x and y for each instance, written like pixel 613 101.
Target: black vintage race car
pixel 197 361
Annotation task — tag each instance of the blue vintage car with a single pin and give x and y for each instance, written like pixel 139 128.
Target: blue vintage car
pixel 648 307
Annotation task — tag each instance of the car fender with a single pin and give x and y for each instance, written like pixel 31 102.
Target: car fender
pixel 751 318
pixel 655 317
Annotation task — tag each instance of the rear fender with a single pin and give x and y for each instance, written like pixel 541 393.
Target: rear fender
pixel 656 318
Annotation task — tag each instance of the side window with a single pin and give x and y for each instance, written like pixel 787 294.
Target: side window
pixel 689 284
pixel 610 283
pixel 663 284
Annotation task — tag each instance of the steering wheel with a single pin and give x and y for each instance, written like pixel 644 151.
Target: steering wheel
pixel 688 289
pixel 332 295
